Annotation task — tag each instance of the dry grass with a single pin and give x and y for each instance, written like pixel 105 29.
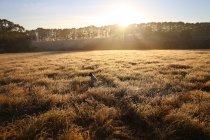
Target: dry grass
pixel 139 95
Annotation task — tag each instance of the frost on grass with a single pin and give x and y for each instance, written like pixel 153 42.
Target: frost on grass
pixel 138 95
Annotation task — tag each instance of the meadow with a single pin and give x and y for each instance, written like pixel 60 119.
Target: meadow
pixel 155 94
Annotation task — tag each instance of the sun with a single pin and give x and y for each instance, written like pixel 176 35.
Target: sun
pixel 123 15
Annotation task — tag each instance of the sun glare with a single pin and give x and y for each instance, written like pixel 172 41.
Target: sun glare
pixel 123 15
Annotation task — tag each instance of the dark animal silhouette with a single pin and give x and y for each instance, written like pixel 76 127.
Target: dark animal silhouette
pixel 93 80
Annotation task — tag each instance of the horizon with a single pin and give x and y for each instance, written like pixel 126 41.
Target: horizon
pixel 120 26
pixel 61 14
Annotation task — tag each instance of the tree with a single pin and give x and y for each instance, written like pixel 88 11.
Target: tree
pixel 13 37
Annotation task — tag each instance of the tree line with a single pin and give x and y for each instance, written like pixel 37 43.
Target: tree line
pixel 13 37
pixel 167 30
pixel 154 35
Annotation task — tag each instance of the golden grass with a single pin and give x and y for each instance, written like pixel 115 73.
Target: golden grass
pixel 138 95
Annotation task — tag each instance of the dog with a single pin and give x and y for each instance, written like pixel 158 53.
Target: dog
pixel 93 79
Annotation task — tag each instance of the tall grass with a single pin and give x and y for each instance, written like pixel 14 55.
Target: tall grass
pixel 138 95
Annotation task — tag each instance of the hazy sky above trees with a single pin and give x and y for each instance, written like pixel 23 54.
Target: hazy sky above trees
pixel 78 13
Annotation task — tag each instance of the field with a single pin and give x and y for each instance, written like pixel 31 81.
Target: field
pixel 139 95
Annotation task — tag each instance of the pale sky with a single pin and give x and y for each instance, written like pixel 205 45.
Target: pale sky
pixel 79 13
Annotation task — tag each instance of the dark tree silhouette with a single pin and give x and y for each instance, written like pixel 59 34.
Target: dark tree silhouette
pixel 13 37
pixel 154 35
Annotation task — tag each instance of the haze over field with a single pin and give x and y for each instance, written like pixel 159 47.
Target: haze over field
pixel 67 25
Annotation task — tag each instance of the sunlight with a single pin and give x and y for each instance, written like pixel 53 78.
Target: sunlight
pixel 123 15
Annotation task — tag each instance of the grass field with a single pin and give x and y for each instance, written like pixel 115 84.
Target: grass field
pixel 138 95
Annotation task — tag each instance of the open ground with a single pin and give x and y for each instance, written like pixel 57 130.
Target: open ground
pixel 139 95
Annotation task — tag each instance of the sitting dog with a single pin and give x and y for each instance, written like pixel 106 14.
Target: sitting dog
pixel 93 79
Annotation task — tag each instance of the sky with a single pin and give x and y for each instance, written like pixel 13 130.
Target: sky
pixel 32 14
